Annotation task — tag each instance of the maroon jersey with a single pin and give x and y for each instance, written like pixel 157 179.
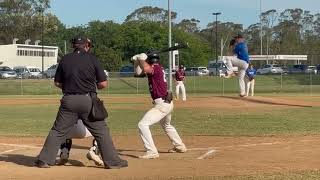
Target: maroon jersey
pixel 180 75
pixel 157 82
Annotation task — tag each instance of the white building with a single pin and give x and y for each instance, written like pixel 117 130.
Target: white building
pixel 28 55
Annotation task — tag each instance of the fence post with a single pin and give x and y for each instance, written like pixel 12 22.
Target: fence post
pixel 194 83
pixel 311 84
pixel 222 86
pixel 281 82
pixel 137 86
pixel 109 82
pixel 21 86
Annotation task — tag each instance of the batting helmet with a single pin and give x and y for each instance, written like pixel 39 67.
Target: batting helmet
pixel 153 57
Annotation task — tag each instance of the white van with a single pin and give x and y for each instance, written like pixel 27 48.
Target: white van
pixel 28 72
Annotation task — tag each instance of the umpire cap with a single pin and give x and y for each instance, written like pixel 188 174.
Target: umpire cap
pixel 81 40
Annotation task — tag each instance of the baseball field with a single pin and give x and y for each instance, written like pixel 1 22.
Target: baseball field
pixel 273 135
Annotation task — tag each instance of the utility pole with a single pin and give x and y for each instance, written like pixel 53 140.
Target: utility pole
pixel 170 44
pixel 216 14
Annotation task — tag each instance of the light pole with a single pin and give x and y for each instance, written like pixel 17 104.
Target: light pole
pixel 216 14
pixel 41 10
pixel 42 44
pixel 261 51
pixel 170 44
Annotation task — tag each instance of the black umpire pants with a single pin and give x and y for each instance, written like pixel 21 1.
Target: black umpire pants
pixel 72 108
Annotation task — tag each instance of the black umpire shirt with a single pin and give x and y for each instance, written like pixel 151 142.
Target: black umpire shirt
pixel 79 72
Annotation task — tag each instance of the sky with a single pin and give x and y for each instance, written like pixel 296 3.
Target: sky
pixel 246 12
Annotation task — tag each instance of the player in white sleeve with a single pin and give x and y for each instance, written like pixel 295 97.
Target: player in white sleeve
pixel 180 77
pixel 79 131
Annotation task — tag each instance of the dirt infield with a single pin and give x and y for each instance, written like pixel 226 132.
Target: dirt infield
pixel 207 156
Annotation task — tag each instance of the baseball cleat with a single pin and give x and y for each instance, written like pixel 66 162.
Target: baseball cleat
pixel 178 149
pixel 64 156
pixel 91 155
pixel 40 164
pixel 121 164
pixel 149 155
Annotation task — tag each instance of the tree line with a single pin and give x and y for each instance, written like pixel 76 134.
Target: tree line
pixel 292 31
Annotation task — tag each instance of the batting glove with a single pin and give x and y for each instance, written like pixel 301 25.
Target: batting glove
pixel 140 57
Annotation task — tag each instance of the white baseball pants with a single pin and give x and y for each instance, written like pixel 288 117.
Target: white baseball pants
pixel 180 85
pixel 249 86
pixel 242 67
pixel 79 131
pixel 160 112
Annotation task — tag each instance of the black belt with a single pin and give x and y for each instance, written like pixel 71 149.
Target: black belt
pixel 68 94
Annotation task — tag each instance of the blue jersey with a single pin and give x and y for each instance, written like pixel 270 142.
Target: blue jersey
pixel 251 72
pixel 241 50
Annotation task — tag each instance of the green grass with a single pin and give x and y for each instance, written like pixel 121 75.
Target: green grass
pixel 303 83
pixel 36 120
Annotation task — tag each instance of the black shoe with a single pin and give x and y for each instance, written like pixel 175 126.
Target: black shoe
pixel 121 164
pixel 41 164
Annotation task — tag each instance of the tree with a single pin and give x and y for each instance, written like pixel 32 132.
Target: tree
pixel 18 18
pixel 189 25
pixel 268 20
pixel 110 59
pixel 149 13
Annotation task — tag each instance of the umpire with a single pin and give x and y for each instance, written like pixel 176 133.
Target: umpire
pixel 79 74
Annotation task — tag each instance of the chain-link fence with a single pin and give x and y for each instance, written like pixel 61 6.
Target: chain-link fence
pixel 125 83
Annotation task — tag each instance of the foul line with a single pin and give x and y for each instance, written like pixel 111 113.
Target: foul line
pixel 207 154
pixel 11 150
pixel 18 145
pixel 212 150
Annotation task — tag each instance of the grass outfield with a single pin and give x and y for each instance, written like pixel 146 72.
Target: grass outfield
pixel 35 120
pixel 276 84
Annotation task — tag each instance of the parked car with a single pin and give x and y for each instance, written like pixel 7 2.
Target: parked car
pixel 311 70
pixel 34 72
pixel 27 72
pixel 7 73
pixel 51 71
pixel 22 72
pixel 127 71
pixel 220 66
pixel 270 69
pixel 298 68
pixel 197 71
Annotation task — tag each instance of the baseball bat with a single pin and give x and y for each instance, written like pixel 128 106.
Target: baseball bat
pixel 173 48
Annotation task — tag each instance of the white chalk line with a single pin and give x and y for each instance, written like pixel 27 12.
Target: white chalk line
pixel 10 150
pixel 233 146
pixel 207 154
pixel 19 145
pixel 212 150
